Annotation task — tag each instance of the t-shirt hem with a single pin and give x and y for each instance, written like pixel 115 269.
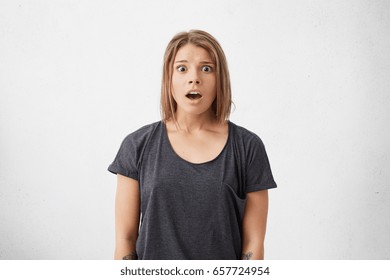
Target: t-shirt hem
pixel 119 170
pixel 254 188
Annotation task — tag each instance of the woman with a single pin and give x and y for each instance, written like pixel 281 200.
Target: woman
pixel 193 185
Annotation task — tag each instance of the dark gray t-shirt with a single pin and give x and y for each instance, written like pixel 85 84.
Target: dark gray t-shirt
pixel 192 211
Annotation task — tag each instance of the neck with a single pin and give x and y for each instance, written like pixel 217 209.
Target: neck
pixel 192 123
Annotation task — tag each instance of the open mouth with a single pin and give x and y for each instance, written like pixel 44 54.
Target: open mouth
pixel 193 95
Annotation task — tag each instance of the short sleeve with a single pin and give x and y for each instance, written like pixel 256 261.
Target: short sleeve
pixel 258 170
pixel 125 162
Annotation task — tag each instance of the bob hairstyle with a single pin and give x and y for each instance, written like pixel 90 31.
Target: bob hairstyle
pixel 222 103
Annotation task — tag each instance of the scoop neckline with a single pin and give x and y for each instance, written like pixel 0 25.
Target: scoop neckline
pixel 200 163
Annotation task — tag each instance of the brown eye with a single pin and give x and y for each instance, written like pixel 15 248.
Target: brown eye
pixel 207 68
pixel 181 68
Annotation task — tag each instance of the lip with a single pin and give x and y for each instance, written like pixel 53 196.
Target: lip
pixel 194 90
pixel 194 100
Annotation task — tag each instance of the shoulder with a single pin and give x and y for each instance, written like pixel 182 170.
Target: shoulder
pixel 145 130
pixel 129 156
pixel 247 143
pixel 251 149
pixel 244 135
pixel 142 135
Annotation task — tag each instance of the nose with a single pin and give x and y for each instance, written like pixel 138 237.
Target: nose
pixel 194 81
pixel 194 78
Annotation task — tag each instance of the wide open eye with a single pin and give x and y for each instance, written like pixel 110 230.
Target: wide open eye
pixel 207 68
pixel 181 68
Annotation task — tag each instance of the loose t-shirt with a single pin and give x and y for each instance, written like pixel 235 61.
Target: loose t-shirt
pixel 192 210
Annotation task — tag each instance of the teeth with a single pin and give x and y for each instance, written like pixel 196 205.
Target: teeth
pixel 194 95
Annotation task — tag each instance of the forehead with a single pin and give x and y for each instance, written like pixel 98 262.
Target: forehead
pixel 194 53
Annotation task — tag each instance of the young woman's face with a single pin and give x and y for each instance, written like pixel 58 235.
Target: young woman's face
pixel 193 80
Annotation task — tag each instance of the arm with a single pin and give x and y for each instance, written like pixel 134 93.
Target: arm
pixel 127 215
pixel 254 225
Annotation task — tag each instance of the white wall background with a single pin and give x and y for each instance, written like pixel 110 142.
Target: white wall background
pixel 311 78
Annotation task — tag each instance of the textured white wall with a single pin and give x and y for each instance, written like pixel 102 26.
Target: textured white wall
pixel 311 78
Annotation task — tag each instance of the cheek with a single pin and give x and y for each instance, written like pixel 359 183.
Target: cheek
pixel 176 81
pixel 174 84
pixel 176 88
pixel 212 83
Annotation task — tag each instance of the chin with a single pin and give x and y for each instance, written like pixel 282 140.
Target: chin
pixel 195 111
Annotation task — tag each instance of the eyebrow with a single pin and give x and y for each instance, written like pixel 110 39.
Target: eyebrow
pixel 202 62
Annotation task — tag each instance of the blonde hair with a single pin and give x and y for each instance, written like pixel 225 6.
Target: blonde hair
pixel 222 103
